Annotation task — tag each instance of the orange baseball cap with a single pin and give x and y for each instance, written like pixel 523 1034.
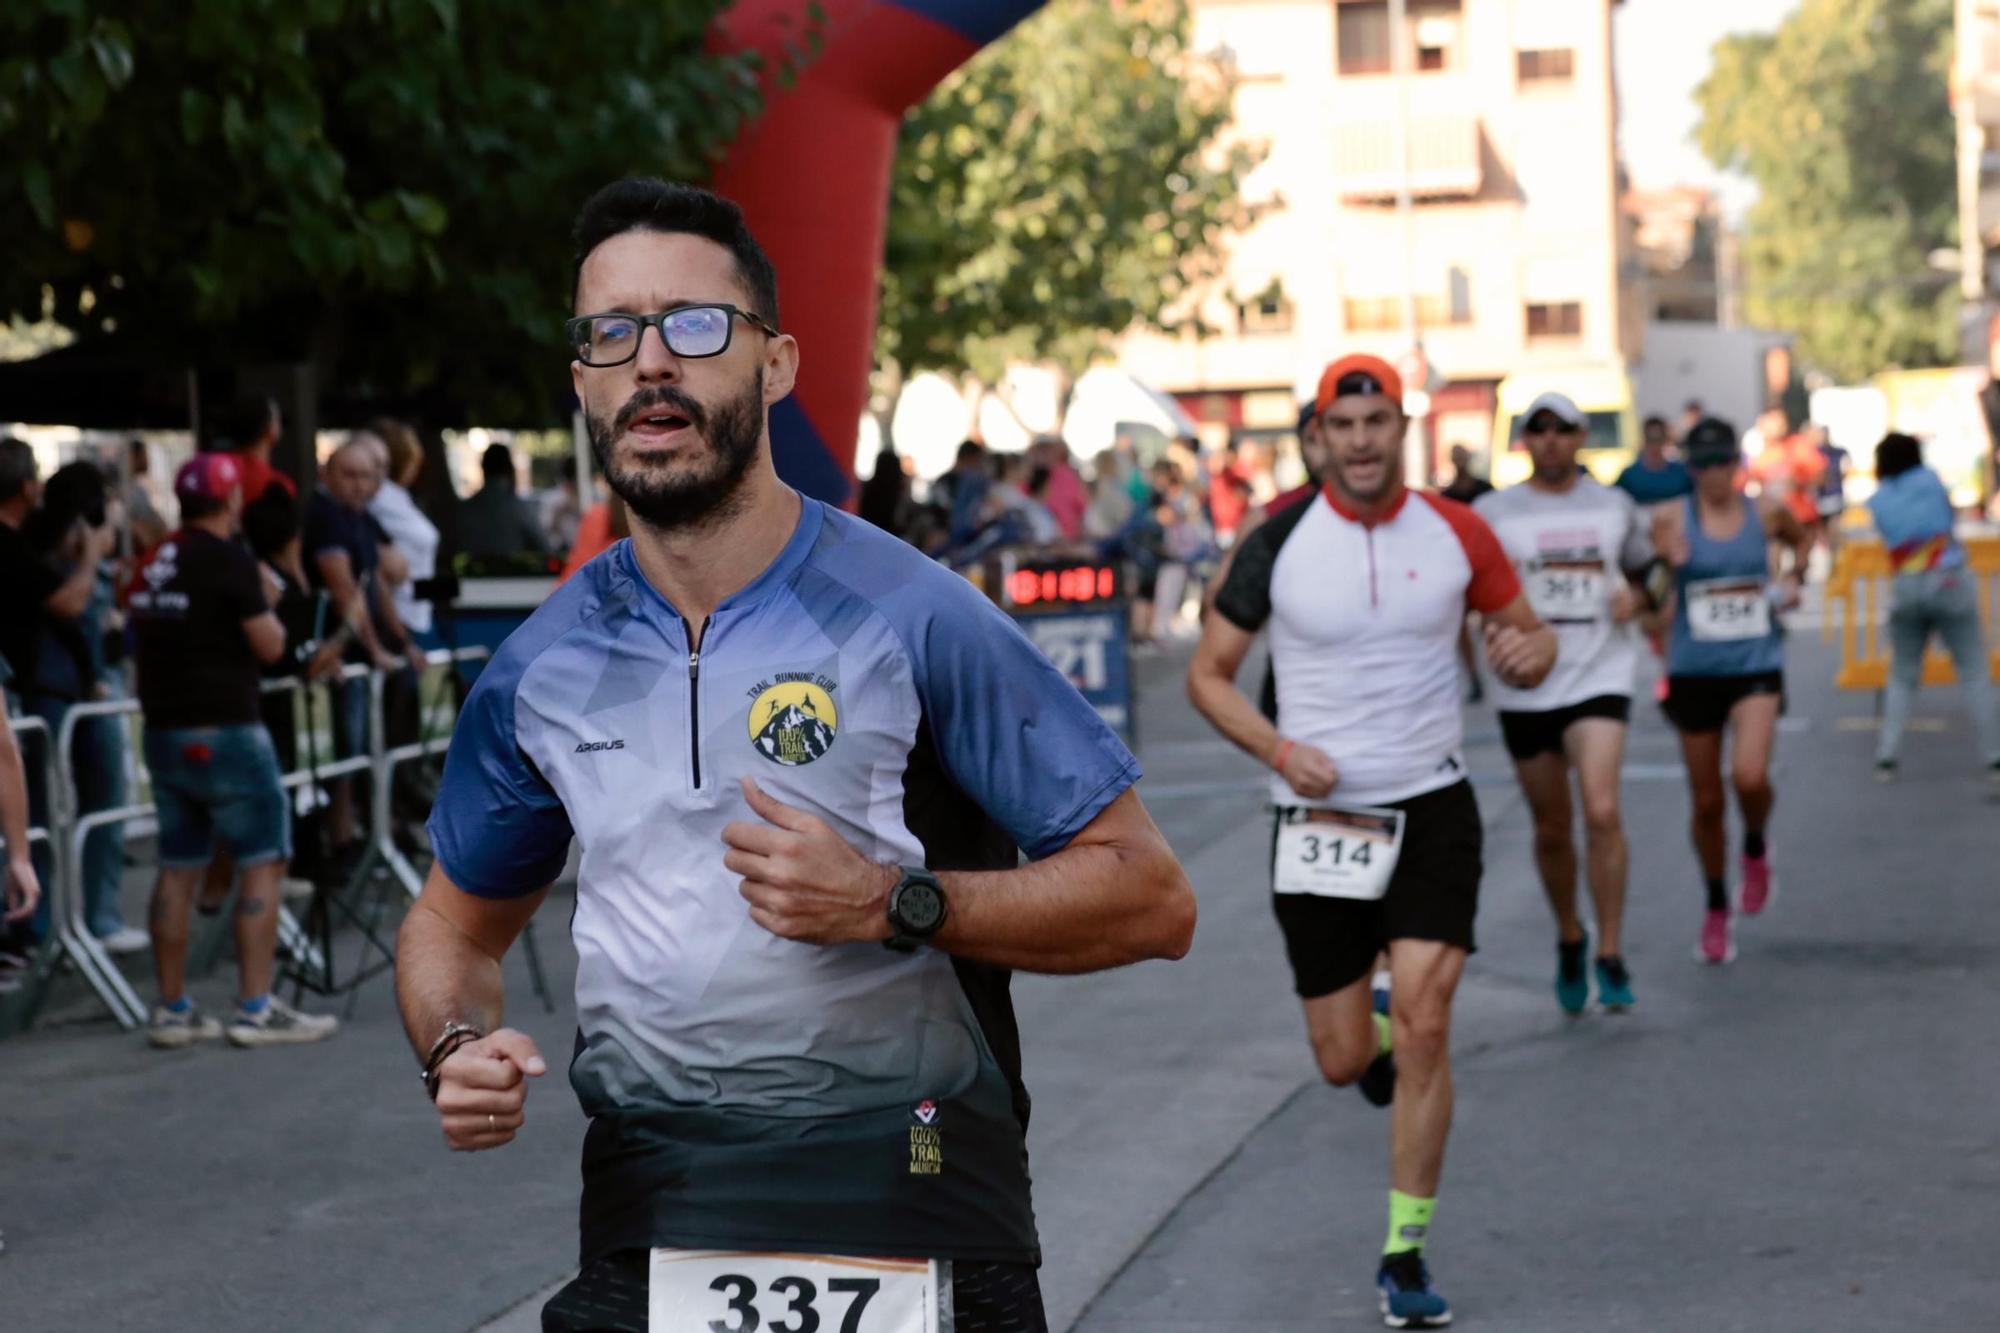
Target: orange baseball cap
pixel 1359 374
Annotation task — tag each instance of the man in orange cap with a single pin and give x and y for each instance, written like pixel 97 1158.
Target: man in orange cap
pixel 1377 845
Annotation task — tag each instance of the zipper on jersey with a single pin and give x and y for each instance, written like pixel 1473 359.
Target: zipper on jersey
pixel 1374 588
pixel 694 695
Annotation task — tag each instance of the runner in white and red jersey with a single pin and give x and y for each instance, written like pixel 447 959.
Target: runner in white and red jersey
pixel 1377 839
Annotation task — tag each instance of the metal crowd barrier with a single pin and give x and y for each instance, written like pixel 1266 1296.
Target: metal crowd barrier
pixel 71 936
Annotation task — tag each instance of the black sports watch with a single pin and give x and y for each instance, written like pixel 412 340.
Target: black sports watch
pixel 917 910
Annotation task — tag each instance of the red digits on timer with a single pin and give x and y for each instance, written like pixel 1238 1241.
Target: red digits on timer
pixel 1081 583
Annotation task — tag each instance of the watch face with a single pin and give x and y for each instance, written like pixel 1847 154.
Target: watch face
pixel 920 907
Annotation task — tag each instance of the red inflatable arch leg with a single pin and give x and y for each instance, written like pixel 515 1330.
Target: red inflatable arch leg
pixel 812 174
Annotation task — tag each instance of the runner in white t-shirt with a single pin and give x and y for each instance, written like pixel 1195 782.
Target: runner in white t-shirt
pixel 1377 843
pixel 1581 550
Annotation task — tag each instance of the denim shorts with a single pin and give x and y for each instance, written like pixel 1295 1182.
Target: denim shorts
pixel 218 782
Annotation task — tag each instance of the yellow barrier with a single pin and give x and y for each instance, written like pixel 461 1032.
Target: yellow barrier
pixel 1858 591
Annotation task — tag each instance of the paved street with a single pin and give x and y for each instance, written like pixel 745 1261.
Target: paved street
pixel 1807 1136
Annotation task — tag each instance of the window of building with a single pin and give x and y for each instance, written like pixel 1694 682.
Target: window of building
pixel 1268 313
pixel 1364 37
pixel 1435 310
pixel 1559 319
pixel 1546 67
pixel 1433 37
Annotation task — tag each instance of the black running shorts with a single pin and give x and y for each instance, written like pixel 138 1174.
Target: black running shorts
pixel 1531 734
pixel 609 1296
pixel 1702 703
pixel 1434 894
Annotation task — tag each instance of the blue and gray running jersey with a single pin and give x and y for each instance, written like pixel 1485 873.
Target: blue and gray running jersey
pixel 744 1090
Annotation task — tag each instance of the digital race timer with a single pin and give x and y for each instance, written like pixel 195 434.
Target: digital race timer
pixel 1057 584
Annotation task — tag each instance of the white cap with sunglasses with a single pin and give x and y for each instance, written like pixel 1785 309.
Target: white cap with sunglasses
pixel 1561 407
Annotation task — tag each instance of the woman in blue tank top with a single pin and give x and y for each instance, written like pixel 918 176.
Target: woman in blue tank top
pixel 1725 662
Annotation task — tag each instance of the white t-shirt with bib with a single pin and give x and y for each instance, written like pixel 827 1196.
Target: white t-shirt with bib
pixel 1572 549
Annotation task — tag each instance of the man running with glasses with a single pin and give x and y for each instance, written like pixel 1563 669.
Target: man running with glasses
pixel 798 758
pixel 1582 551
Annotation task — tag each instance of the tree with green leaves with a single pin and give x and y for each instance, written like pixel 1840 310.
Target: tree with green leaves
pixel 1070 181
pixel 1842 119
pixel 382 188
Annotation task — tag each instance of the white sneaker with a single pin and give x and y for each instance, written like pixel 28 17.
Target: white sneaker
pixel 170 1031
pixel 279 1025
pixel 126 939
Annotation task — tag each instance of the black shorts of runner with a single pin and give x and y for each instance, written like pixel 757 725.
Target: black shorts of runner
pixel 1433 895
pixel 1531 734
pixel 609 1296
pixel 1702 703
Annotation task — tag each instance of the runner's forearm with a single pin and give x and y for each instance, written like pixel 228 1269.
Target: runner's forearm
pixel 443 976
pixel 1216 698
pixel 1084 909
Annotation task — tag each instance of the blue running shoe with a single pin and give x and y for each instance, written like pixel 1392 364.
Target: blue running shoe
pixel 1614 985
pixel 1407 1298
pixel 1572 981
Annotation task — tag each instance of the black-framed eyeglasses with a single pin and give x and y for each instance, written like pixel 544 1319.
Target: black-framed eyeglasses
pixel 689 331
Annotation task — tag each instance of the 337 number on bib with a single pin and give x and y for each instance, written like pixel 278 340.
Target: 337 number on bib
pixel 702 1291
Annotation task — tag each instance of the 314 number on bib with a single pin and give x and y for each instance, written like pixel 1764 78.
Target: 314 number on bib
pixel 1337 853
pixel 719 1291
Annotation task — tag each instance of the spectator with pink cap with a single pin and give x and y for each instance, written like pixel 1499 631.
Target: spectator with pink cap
pixel 203 622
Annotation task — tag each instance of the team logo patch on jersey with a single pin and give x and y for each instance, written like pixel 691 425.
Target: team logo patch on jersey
pixel 793 721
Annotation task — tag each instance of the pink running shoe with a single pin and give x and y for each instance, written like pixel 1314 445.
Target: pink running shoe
pixel 1756 884
pixel 1716 946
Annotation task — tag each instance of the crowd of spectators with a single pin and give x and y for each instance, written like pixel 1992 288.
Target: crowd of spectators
pixel 103 595
pixel 1171 519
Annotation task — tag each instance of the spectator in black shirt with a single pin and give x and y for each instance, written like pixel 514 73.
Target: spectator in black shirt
pixel 1466 485
pixel 202 625
pixel 20 886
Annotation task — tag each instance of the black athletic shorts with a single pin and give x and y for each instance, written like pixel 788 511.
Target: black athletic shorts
pixel 1530 734
pixel 1702 703
pixel 1433 895
pixel 609 1296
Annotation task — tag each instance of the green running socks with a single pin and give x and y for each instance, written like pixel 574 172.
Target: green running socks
pixel 1382 1034
pixel 1409 1222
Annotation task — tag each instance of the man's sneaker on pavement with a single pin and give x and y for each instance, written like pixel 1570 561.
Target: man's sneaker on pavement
pixel 1572 981
pixel 126 939
pixel 1715 946
pixel 1407 1298
pixel 1614 985
pixel 1756 884
pixel 1885 771
pixel 170 1030
pixel 278 1024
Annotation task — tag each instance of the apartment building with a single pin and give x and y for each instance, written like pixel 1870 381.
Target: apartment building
pixel 1513 247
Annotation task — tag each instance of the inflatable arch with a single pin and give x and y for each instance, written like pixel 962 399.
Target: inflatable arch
pixel 813 172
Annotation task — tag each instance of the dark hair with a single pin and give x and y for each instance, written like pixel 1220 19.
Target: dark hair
pixel 196 505
pixel 1651 422
pixel 270 524
pixel 647 203
pixel 497 461
pixel 1898 453
pixel 17 467
pixel 243 422
pixel 971 451
pixel 75 490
